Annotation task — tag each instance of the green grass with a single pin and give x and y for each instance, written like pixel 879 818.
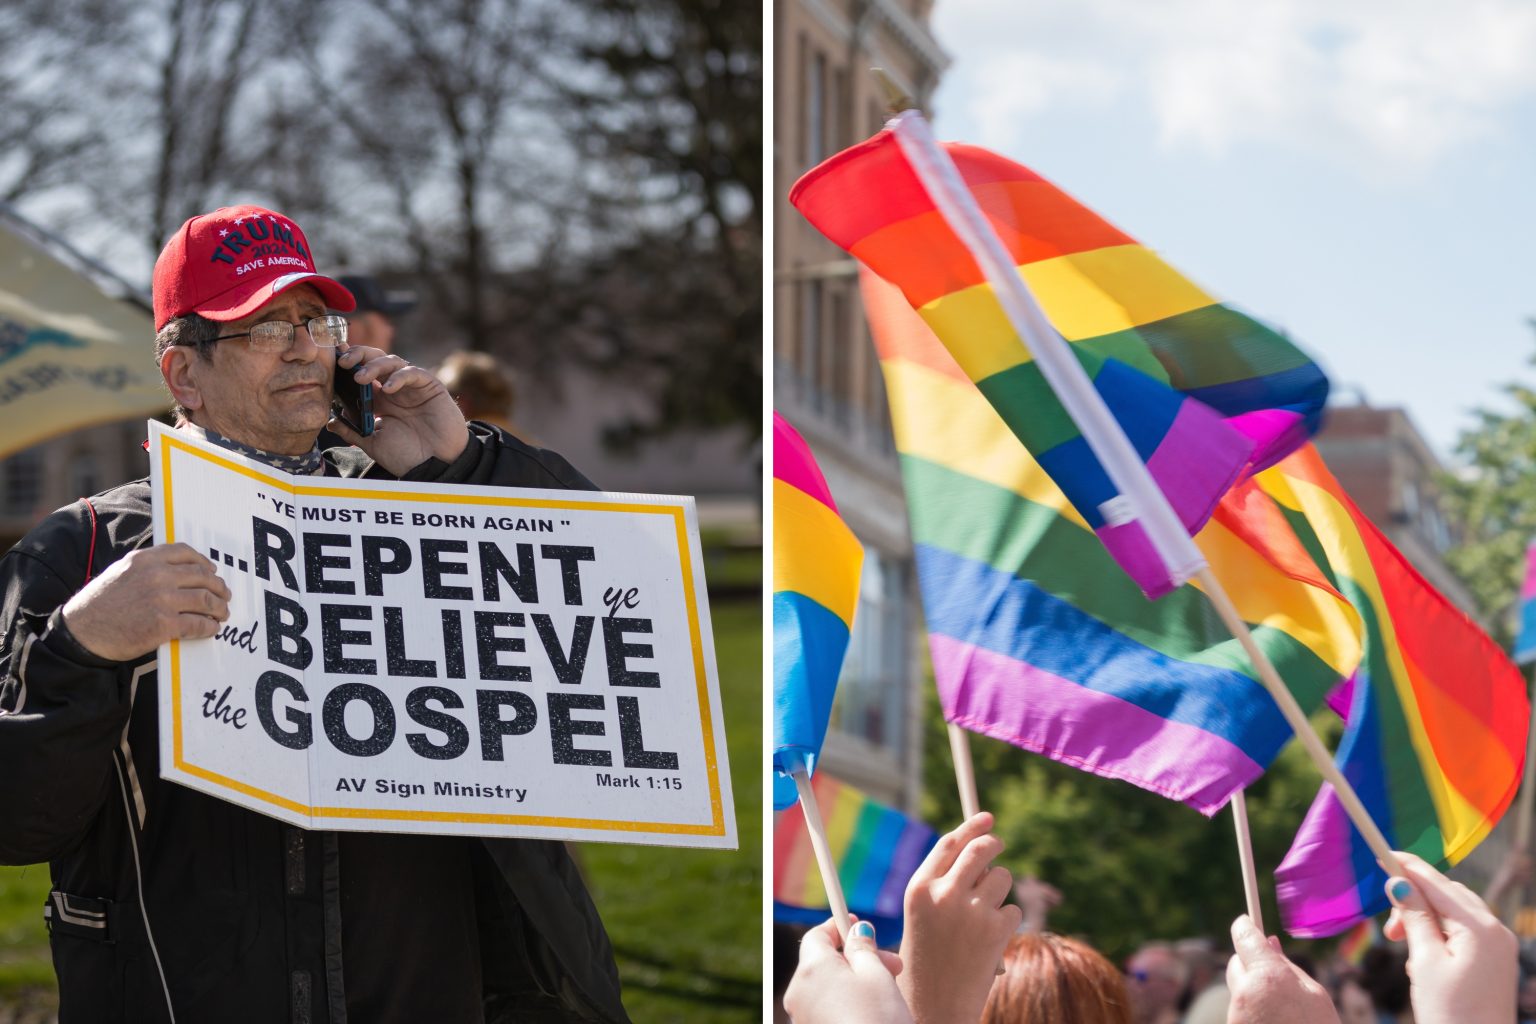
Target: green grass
pixel 26 969
pixel 734 570
pixel 686 924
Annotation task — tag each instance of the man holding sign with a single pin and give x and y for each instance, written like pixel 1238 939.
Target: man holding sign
pixel 171 904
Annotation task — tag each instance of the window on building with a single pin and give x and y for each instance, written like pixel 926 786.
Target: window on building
pixel 872 690
pixel 811 343
pixel 877 409
pixel 23 482
pixel 1433 524
pixel 815 109
pixel 83 476
pixel 837 113
pixel 840 360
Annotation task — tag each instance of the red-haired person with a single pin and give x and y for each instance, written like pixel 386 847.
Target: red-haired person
pixel 1050 979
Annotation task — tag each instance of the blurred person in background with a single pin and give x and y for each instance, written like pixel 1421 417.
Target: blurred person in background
pixel 1157 976
pixel 481 386
pixel 372 323
pixel 1352 1000
pixel 1205 996
pixel 1384 974
pixel 1037 899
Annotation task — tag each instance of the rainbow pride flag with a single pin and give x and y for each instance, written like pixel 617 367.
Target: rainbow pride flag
pixel 876 849
pixel 1205 393
pixel 1525 642
pixel 816 566
pixel 1037 639
pixel 1436 725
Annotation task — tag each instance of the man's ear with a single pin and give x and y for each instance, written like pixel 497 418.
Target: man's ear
pixel 179 365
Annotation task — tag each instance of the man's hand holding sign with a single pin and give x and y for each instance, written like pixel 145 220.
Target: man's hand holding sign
pixel 151 597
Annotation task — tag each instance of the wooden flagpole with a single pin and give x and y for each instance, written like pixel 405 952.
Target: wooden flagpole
pixel 965 770
pixel 818 831
pixel 1245 859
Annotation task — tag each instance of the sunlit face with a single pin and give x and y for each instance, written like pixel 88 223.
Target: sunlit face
pixel 275 401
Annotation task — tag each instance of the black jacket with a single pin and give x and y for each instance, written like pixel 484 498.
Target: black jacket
pixel 162 895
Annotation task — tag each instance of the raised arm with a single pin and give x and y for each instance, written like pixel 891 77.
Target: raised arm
pixel 1461 959
pixel 956 925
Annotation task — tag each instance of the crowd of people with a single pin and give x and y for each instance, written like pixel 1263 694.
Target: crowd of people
pixel 967 955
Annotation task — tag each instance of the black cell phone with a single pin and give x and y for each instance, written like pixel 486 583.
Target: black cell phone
pixel 352 403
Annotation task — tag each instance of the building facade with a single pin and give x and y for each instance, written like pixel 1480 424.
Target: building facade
pixel 46 476
pixel 826 378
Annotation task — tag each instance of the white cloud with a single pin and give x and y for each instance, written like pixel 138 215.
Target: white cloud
pixel 1397 80
pixel 1026 84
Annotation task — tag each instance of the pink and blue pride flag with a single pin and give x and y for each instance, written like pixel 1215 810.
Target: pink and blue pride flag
pixel 816 566
pixel 1204 393
pixel 876 849
pixel 1525 643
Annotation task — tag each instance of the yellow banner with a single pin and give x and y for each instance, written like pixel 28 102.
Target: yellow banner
pixel 71 356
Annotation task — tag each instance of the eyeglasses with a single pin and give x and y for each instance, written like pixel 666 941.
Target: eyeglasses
pixel 328 331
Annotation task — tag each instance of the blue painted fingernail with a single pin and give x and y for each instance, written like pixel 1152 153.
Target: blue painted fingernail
pixel 863 929
pixel 1399 889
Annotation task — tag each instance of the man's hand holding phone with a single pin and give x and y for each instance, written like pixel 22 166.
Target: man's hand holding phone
pixel 414 417
pixel 351 402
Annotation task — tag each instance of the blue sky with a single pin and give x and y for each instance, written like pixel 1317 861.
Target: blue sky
pixel 1362 175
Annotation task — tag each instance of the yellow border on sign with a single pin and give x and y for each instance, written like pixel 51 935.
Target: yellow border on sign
pixel 706 718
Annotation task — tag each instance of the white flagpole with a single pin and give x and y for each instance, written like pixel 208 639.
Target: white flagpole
pixel 1139 496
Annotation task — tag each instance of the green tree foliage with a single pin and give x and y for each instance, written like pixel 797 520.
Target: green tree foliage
pixel 1494 498
pixel 1131 865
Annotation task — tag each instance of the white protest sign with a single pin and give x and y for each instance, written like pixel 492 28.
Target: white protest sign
pixel 444 658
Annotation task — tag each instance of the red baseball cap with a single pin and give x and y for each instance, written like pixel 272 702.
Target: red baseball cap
pixel 229 263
